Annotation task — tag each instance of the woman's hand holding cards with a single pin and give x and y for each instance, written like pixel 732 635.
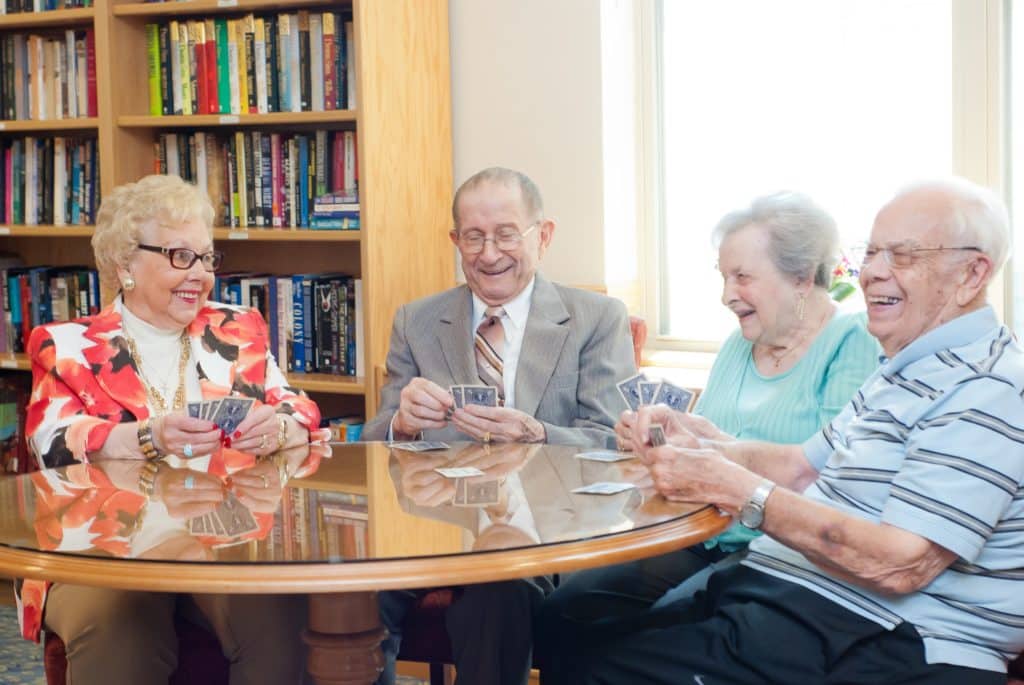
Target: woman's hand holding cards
pixel 178 433
pixel 257 433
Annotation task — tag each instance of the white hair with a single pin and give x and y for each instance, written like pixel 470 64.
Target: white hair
pixel 975 215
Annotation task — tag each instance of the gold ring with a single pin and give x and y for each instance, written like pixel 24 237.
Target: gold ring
pixel 266 481
pixel 263 441
pixel 487 436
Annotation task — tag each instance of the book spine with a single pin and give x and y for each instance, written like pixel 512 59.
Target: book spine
pixel 224 92
pixel 211 75
pixel 153 65
pixel 305 87
pixel 166 80
pixel 330 77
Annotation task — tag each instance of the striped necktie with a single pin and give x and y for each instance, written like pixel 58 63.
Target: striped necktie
pixel 490 346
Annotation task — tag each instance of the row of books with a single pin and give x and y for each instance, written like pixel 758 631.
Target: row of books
pixel 287 62
pixel 48 77
pixel 317 524
pixel 49 181
pixel 36 295
pixel 315 320
pixel 14 393
pixel 17 6
pixel 263 180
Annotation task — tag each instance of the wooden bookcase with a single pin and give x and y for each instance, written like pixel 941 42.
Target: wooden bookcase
pixel 403 124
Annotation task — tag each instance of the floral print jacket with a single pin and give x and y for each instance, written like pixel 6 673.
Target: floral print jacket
pixel 84 382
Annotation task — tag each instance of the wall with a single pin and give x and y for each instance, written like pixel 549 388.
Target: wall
pixel 526 94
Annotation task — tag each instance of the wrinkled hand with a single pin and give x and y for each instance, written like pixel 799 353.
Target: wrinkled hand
pixel 676 432
pixel 624 431
pixel 257 433
pixel 422 404
pixel 173 431
pixel 205 495
pixel 258 487
pixel 498 424
pixel 700 475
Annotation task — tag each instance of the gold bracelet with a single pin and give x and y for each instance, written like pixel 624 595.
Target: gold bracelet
pixel 282 431
pixel 147 477
pixel 145 433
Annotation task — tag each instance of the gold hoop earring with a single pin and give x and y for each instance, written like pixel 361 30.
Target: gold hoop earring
pixel 801 307
pixel 128 284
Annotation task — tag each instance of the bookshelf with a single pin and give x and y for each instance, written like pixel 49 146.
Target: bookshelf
pixel 403 125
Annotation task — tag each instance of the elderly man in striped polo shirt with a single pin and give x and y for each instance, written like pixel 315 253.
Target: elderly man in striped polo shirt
pixel 894 546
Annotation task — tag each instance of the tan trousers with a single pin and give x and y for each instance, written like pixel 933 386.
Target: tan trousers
pixel 113 636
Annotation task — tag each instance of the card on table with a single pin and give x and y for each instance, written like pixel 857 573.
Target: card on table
pixel 630 390
pixel 603 488
pixel 235 517
pixel 459 471
pixel 605 455
pixel 420 446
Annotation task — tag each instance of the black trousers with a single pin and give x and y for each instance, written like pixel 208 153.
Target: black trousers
pixel 749 628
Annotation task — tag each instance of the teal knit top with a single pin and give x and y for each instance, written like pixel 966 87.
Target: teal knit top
pixel 792 406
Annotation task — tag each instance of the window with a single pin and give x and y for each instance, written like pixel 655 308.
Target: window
pixel 846 100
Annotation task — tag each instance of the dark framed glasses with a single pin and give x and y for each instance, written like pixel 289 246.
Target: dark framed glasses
pixel 183 258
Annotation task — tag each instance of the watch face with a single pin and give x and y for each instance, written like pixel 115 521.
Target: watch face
pixel 752 516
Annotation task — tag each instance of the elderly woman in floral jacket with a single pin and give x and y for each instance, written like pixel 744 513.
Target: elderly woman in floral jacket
pixel 116 386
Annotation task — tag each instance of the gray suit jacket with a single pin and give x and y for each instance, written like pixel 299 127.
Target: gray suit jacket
pixel 575 348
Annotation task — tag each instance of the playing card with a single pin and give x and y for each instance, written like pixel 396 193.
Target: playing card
pixel 657 435
pixel 459 471
pixel 231 411
pixel 211 409
pixel 672 395
pixel 197 525
pixel 218 525
pixel 195 409
pixel 648 389
pixel 603 488
pixel 604 455
pixel 483 395
pixel 420 446
pixel 475 493
pixel 630 390
pixel 236 518
pixel 456 391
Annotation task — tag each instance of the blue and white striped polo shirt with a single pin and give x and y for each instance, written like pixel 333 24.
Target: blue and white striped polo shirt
pixel 933 443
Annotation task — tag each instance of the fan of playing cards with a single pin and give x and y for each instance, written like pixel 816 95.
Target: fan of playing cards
pixel 637 391
pixel 484 395
pixel 227 413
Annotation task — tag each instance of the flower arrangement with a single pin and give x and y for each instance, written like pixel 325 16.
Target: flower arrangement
pixel 845 277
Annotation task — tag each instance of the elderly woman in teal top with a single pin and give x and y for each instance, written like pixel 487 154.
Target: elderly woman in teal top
pixel 791 366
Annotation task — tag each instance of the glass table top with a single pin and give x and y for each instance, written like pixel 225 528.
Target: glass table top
pixel 343 503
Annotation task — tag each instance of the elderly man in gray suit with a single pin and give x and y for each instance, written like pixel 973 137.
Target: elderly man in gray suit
pixel 553 354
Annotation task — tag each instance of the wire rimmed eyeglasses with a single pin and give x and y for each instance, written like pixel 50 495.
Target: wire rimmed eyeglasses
pixel 903 256
pixel 183 258
pixel 505 239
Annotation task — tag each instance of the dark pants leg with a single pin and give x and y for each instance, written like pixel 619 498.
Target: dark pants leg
pixel 611 593
pixel 750 628
pixel 490 629
pixel 394 606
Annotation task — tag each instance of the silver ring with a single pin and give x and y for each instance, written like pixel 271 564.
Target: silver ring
pixel 190 481
pixel 187 450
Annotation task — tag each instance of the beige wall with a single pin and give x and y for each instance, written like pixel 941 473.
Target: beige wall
pixel 526 94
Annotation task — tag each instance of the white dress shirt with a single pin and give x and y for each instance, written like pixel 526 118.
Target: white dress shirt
pixel 513 323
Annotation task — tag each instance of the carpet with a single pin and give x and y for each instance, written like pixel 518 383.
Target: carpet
pixel 21 661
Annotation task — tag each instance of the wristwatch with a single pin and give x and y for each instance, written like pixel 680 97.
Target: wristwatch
pixel 752 511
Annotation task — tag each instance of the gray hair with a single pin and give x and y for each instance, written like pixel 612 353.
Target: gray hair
pixel 974 215
pixel 532 202
pixel 154 199
pixel 803 238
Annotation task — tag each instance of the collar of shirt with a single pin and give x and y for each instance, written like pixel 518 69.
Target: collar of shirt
pixel 517 310
pixel 961 331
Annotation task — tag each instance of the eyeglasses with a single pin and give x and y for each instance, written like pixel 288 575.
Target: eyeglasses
pixel 505 239
pixel 900 257
pixel 183 258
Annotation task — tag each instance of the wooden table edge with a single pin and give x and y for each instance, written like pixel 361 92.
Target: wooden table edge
pixel 361 576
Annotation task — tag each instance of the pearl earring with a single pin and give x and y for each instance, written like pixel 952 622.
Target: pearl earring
pixel 128 283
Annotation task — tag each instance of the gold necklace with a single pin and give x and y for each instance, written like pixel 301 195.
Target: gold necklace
pixel 179 395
